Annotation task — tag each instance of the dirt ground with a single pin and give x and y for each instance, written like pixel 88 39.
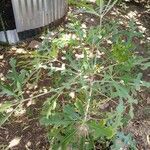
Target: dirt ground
pixel 28 134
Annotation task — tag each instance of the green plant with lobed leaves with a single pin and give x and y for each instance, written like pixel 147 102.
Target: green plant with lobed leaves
pixel 87 74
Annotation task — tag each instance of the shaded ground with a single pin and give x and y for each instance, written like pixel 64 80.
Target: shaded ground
pixel 26 131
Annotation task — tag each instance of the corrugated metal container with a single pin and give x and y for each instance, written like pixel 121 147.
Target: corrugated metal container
pixel 33 14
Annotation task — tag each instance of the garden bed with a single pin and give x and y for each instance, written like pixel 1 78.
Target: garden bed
pixel 26 130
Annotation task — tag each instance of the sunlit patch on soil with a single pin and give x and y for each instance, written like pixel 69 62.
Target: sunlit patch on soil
pixel 14 142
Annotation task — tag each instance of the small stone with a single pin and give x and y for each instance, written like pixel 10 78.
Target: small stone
pixel 104 106
pixel 34 44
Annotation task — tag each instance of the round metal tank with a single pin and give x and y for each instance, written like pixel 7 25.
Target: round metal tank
pixel 22 19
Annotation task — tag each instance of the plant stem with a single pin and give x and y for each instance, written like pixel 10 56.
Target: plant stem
pixel 89 100
pixel 109 7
